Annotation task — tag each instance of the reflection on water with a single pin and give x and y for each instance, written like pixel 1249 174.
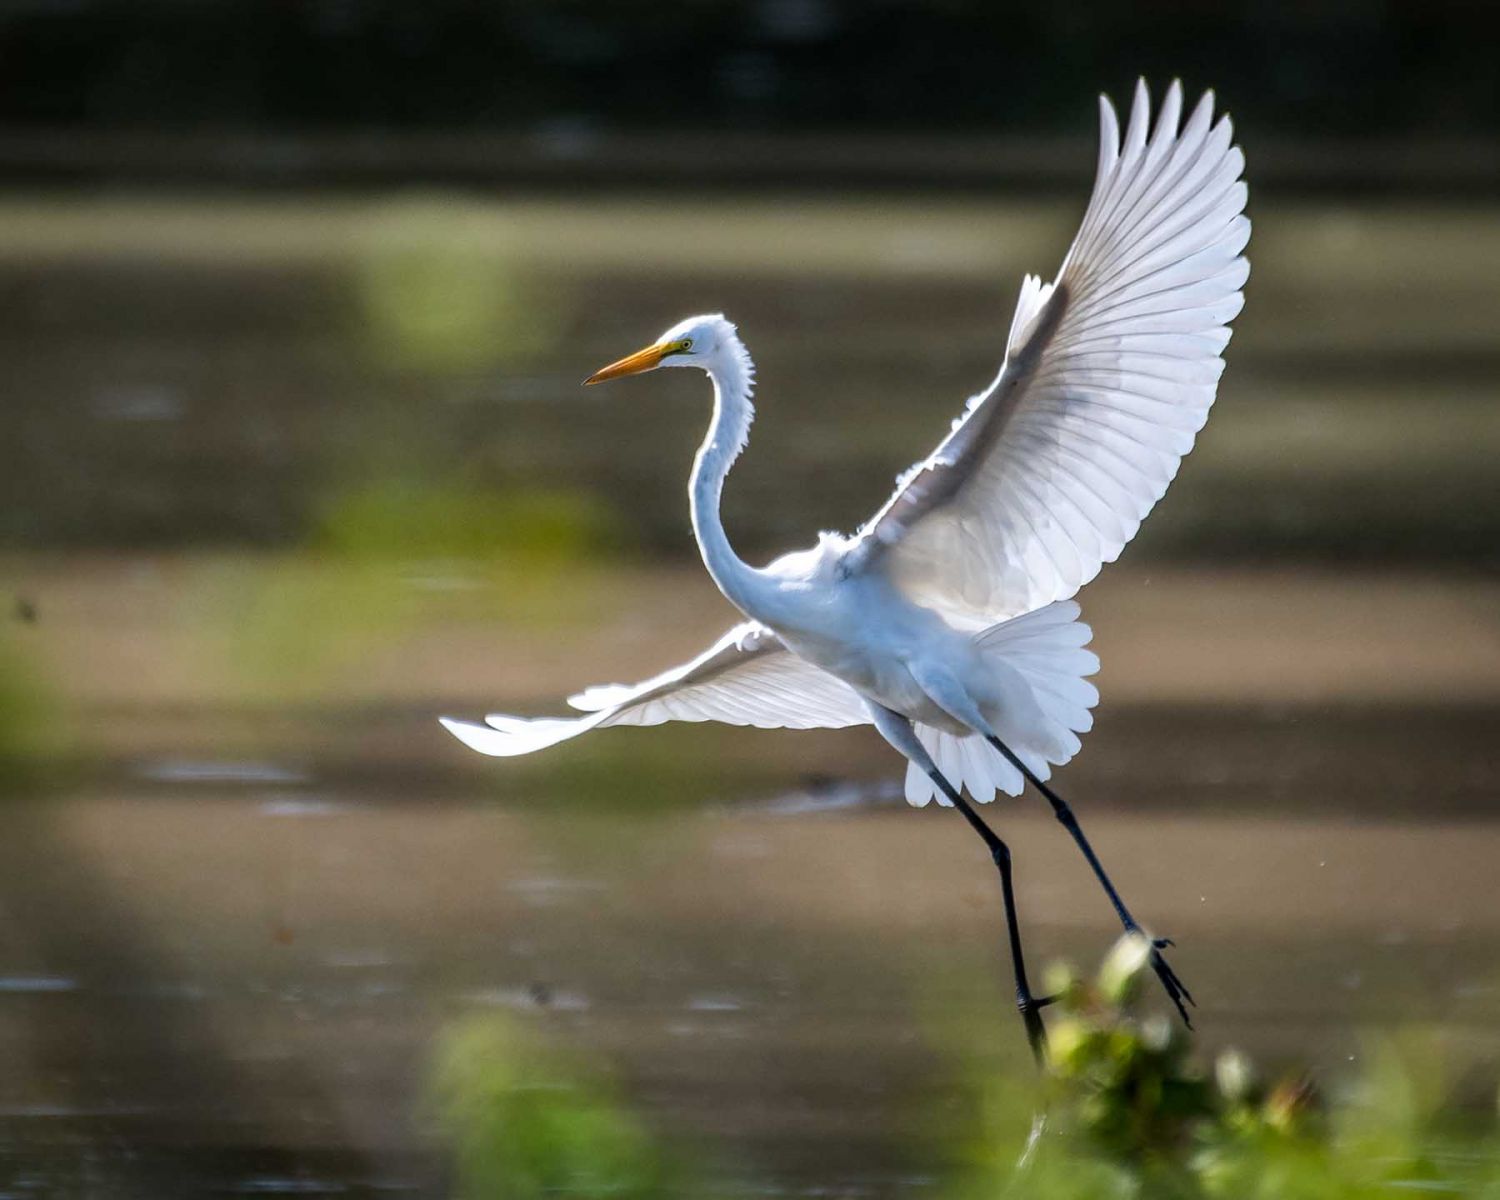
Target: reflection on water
pixel 197 978
pixel 290 481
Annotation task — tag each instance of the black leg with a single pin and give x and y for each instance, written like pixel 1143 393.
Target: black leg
pixel 1031 1008
pixel 1175 988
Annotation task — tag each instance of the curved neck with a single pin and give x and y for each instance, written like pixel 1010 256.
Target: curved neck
pixel 733 378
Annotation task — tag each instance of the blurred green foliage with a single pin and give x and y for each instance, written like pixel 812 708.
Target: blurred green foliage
pixel 293 621
pixel 31 735
pixel 518 529
pixel 395 554
pixel 432 298
pixel 524 1121
pixel 1123 1109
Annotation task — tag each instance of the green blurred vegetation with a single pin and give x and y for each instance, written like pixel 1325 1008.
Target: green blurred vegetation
pixel 397 537
pixel 32 737
pixel 389 556
pixel 525 1120
pixel 435 299
pixel 1124 1109
pixel 521 531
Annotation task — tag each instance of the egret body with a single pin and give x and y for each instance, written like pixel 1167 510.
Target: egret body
pixel 947 621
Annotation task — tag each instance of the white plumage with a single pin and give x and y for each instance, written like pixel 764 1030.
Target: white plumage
pixel 1055 465
pixel 946 620
pixel 1045 649
pixel 747 677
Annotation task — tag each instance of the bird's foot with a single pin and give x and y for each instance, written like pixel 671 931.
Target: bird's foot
pixel 1176 990
pixel 1030 1009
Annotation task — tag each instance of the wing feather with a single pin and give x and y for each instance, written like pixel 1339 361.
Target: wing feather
pixel 1110 372
pixel 747 677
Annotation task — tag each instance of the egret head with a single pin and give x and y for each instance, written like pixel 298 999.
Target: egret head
pixel 695 342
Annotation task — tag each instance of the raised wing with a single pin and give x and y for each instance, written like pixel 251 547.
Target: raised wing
pixel 1109 375
pixel 747 677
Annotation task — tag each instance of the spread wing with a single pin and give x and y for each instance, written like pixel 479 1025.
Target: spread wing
pixel 747 677
pixel 1109 374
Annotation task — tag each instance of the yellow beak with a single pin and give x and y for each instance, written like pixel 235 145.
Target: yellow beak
pixel 642 360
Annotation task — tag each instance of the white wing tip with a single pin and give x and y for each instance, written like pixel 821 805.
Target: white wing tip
pixel 599 695
pixel 1109 129
pixel 505 736
pixel 475 737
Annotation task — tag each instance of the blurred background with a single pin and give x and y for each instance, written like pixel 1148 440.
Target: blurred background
pixel 294 303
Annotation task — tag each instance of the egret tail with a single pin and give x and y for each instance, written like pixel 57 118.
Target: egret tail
pixel 1043 655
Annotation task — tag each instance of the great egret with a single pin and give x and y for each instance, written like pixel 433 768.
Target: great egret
pixel 946 622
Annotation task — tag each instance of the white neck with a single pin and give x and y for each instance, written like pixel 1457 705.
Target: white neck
pixel 733 377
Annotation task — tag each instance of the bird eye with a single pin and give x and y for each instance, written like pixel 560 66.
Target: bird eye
pixel 685 344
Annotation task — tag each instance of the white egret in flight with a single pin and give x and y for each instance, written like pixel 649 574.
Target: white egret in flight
pixel 946 622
